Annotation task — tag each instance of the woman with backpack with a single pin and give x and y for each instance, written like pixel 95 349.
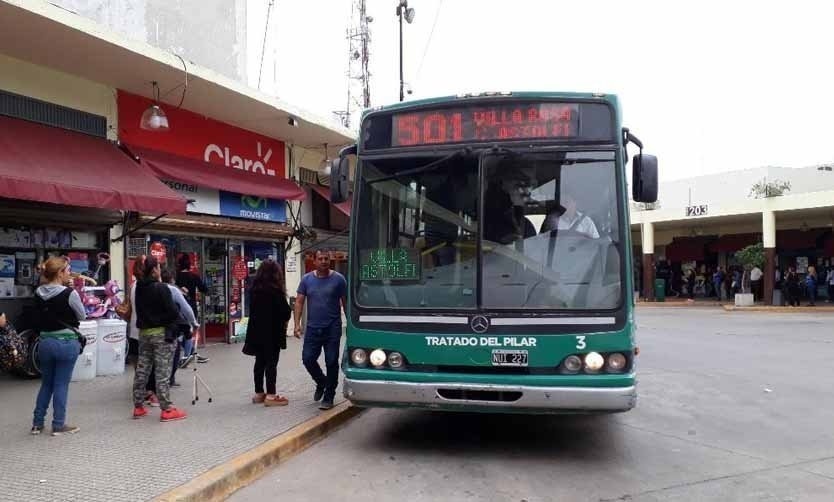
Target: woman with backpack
pixel 60 312
pixel 156 317
pixel 266 333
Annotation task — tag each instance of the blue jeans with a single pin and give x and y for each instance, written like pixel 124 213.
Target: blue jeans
pixel 187 347
pixel 316 339
pixel 57 359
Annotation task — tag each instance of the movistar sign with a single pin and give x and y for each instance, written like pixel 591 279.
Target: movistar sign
pixel 252 208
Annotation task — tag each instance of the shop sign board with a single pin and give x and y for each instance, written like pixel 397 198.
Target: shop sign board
pixel 252 208
pixel 242 154
pixel 201 200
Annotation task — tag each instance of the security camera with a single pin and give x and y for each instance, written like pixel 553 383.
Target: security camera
pixel 292 121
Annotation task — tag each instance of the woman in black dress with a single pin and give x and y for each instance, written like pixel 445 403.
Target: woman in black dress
pixel 266 333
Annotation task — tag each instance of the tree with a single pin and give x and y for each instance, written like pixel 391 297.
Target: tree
pixel 751 256
pixel 764 188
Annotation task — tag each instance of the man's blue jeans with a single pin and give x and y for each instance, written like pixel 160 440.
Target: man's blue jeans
pixel 57 359
pixel 316 339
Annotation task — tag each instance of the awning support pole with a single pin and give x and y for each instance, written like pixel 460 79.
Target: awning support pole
pixel 140 227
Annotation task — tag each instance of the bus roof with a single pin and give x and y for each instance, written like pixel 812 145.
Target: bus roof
pixel 610 98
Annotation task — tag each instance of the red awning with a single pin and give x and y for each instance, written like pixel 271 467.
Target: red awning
pixel 343 207
pixel 47 164
pixel 177 168
pixel 731 243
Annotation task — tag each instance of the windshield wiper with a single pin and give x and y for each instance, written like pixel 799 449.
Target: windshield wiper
pixel 422 169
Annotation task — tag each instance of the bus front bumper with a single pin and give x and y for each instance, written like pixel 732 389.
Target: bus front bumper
pixel 476 397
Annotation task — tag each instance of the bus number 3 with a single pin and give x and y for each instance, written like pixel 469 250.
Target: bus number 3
pixel 580 342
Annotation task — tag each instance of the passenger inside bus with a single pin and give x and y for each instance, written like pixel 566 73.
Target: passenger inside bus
pixel 567 217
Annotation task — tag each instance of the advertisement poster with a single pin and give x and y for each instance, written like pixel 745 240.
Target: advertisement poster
pixel 7 266
pixel 160 251
pixel 7 289
pixel 25 268
pixel 802 264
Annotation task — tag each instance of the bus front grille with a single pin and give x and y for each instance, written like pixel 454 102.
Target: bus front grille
pixel 479 395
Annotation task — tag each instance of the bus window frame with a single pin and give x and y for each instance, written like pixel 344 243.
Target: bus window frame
pixel 615 146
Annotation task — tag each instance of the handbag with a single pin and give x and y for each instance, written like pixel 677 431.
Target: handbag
pixel 124 310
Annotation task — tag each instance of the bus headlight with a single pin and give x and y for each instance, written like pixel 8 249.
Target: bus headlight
pixel 593 361
pixel 378 357
pixel 572 364
pixel 396 360
pixel 359 357
pixel 616 362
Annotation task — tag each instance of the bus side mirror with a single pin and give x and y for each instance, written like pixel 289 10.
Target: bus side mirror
pixel 644 178
pixel 339 172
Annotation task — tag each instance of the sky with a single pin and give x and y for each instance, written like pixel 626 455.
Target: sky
pixel 708 86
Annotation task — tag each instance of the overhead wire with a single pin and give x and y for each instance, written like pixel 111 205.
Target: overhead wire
pixel 428 42
pixel 263 46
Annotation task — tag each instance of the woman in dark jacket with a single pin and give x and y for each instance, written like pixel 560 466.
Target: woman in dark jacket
pixel 266 333
pixel 155 312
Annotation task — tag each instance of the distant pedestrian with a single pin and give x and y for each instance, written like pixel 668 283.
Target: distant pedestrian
pixel 266 332
pixel 756 282
pixel 325 290
pixel 830 282
pixel 811 286
pixel 156 315
pixel 60 312
pixel 791 288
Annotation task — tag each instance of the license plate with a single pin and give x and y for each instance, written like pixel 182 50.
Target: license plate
pixel 509 358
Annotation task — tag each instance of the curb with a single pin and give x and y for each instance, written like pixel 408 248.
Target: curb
pixel 780 310
pixel 223 480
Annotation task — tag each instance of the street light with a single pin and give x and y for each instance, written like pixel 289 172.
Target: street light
pixel 403 11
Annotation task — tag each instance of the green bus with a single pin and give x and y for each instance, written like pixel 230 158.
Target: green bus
pixel 490 259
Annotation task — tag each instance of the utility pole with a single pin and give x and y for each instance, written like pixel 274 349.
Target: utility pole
pixel 358 35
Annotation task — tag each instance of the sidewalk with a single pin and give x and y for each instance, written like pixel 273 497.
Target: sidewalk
pixel 117 458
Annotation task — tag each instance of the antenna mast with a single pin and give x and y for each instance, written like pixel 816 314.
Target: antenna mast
pixel 358 35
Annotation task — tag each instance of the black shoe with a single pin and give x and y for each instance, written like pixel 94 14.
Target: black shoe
pixel 202 359
pixel 326 404
pixel 318 394
pixel 174 384
pixel 36 430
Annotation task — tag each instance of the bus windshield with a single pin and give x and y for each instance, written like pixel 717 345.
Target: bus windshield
pixel 546 224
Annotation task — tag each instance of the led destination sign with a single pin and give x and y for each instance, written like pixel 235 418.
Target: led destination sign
pixel 500 122
pixel 389 264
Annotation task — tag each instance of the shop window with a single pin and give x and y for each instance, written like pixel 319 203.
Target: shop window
pixel 23 248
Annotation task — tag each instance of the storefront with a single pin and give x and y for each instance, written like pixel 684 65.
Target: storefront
pixel 237 190
pixel 330 225
pixel 63 189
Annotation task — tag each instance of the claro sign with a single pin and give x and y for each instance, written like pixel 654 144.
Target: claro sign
pixel 247 155
pixel 229 158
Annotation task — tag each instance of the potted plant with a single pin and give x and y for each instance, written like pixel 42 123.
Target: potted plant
pixel 749 257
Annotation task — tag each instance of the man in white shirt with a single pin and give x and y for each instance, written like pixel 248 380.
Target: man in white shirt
pixel 756 282
pixel 571 219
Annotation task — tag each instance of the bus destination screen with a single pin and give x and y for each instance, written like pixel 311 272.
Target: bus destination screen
pixel 488 123
pixel 389 264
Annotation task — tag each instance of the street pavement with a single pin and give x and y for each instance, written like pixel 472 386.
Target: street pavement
pixel 116 458
pixel 732 406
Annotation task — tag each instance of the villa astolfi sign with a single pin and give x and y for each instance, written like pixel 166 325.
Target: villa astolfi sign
pixel 699 210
